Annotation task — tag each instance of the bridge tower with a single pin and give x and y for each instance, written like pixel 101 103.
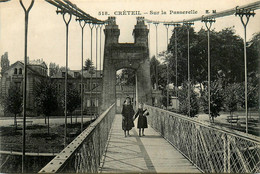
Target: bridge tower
pixel 126 55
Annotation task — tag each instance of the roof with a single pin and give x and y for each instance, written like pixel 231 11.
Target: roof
pixel 72 73
pixel 38 62
pixel 28 67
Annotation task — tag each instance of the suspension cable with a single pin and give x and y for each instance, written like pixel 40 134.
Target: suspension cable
pixel 156 42
pixel 67 6
pixel 91 26
pixel 96 26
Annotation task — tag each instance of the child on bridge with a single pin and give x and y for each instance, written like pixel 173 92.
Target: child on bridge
pixel 142 120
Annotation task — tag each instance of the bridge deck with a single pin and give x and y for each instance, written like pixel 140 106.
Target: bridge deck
pixel 150 153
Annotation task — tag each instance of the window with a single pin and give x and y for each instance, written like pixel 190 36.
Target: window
pixel 97 102
pixel 92 102
pixel 59 86
pixel 18 85
pixel 76 74
pixel 63 74
pixel 118 102
pixel 88 103
pixel 80 87
pixel 15 71
pixel 85 88
pixel 20 71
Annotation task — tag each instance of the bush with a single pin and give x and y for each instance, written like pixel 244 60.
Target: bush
pixel 252 95
pixel 184 101
pixel 216 99
pixel 231 97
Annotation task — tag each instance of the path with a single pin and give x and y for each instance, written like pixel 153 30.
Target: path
pixel 41 121
pixel 150 153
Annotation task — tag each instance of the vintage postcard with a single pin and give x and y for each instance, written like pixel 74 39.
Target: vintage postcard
pixel 129 86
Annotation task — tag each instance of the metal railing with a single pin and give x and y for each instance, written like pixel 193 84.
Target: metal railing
pixel 84 153
pixel 210 148
pixel 15 148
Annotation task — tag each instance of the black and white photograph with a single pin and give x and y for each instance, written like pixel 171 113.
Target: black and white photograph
pixel 129 86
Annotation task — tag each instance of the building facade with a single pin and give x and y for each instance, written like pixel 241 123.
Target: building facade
pixel 91 87
pixel 14 74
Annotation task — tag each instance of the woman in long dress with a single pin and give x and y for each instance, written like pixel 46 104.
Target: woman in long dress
pixel 127 119
pixel 142 120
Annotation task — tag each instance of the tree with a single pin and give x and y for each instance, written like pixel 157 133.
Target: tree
pixel 164 75
pixel 53 69
pixel 63 68
pixel 216 99
pixel 231 97
pixel 182 53
pixel 128 76
pixel 4 62
pixel 89 66
pixel 46 98
pixel 13 101
pixel 154 63
pixel 226 55
pixel 252 95
pixel 253 62
pixel 73 99
pixel 184 101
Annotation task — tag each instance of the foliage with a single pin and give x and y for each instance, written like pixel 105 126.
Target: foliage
pixel 154 63
pixel 4 62
pixel 89 66
pixel 231 97
pixel 63 69
pixel 252 95
pixel 46 97
pixel 182 54
pixel 253 60
pixel 53 69
pixel 216 99
pixel 128 76
pixel 13 101
pixel 73 98
pixel 184 101
pixel 226 55
pixel 164 100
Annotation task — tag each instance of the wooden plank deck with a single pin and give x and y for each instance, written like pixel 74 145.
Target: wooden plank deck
pixel 135 154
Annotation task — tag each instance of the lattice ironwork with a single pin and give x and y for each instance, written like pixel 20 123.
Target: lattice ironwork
pixel 84 153
pixel 210 148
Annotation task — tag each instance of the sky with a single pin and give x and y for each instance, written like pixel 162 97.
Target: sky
pixel 46 37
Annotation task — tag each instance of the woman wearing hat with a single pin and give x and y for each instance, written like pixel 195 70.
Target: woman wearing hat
pixel 127 113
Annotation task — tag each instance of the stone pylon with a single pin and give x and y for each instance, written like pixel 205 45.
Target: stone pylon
pixel 126 55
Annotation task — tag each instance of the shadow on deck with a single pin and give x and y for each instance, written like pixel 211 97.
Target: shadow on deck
pixel 150 153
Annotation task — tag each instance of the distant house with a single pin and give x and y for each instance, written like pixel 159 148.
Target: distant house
pixel 37 70
pixel 91 87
